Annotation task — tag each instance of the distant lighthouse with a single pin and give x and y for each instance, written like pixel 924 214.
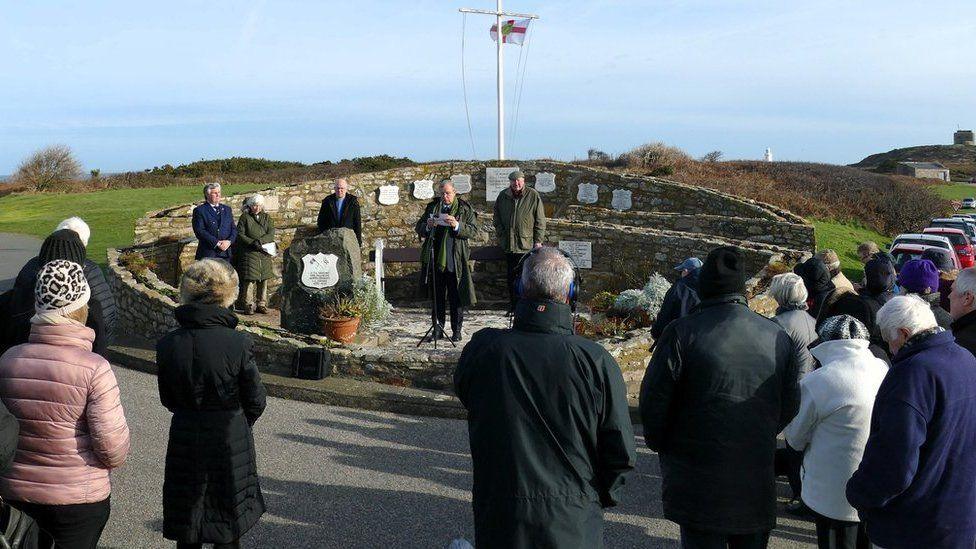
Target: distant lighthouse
pixel 769 155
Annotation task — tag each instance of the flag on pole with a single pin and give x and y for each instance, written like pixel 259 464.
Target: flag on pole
pixel 513 31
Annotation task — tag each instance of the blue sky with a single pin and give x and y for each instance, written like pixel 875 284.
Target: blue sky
pixel 130 85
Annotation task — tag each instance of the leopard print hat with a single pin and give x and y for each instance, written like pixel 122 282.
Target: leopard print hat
pixel 61 288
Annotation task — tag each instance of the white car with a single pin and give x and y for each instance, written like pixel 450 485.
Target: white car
pixel 968 203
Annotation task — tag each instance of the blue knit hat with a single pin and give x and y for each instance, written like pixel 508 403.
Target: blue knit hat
pixel 919 276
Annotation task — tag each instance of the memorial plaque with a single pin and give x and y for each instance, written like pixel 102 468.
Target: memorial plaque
pixel 319 270
pixel 389 195
pixel 545 182
pixel 423 190
pixel 271 203
pixel 587 193
pixel 496 181
pixel 621 200
pixel 581 251
pixel 462 183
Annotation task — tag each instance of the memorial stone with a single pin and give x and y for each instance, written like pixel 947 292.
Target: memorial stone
pixel 462 183
pixel 388 195
pixel 545 182
pixel 314 270
pixel 423 190
pixel 580 251
pixel 587 193
pixel 622 200
pixel 496 181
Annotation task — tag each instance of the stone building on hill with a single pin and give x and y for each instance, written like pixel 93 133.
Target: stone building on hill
pixel 933 170
pixel 964 137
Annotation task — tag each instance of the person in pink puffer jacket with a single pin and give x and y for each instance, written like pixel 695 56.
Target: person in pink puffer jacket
pixel 72 426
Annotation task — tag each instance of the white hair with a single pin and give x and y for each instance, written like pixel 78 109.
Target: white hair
pixel 966 281
pixel 547 275
pixel 209 186
pixel 788 289
pixel 905 311
pixel 254 200
pixel 77 225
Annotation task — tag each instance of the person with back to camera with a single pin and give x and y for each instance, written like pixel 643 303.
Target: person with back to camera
pixel 209 381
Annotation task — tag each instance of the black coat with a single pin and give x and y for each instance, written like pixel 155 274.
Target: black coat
pixel 964 330
pixel 550 433
pixel 680 299
pixel 329 216
pixel 101 307
pixel 721 385
pixel 208 379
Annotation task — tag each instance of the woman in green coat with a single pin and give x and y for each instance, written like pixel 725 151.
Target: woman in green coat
pixel 254 231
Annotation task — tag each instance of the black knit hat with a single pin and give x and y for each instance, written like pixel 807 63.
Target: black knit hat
pixel 724 272
pixel 63 244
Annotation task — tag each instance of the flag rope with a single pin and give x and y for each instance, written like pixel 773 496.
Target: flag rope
pixel 518 99
pixel 464 86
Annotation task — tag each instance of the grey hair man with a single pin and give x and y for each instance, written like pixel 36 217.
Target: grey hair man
pixel 213 225
pixel 340 210
pixel 543 491
pixel 962 308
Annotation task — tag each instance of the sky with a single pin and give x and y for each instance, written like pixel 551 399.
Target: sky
pixel 132 85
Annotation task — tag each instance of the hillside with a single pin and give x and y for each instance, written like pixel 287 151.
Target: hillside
pixel 960 159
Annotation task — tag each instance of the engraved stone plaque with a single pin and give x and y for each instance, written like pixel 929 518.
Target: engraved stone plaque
pixel 622 200
pixel 581 251
pixel 545 182
pixel 587 193
pixel 462 183
pixel 496 181
pixel 319 270
pixel 423 190
pixel 389 195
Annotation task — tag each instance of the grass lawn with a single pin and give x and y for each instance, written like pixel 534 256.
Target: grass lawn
pixel 110 214
pixel 954 191
pixel 844 238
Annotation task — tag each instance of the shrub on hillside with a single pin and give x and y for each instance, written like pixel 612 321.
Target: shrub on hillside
pixel 52 168
pixel 655 159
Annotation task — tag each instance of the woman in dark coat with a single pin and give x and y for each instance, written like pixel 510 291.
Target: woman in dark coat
pixel 208 379
pixel 254 230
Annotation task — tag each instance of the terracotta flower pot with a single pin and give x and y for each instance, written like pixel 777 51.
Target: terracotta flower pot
pixel 342 329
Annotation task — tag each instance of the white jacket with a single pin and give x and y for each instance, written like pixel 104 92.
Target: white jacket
pixel 833 423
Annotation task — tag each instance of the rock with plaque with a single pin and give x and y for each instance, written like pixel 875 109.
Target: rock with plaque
pixel 587 193
pixel 388 195
pixel 462 183
pixel 545 182
pixel 314 270
pixel 581 252
pixel 496 181
pixel 622 200
pixel 423 189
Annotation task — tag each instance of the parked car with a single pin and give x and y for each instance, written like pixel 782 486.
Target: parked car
pixel 923 239
pixel 968 203
pixel 962 244
pixel 956 223
pixel 903 253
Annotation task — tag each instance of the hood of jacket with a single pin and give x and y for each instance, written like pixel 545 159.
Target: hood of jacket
pixel 546 317
pixel 879 276
pixel 205 315
pixel 68 335
pixel 844 350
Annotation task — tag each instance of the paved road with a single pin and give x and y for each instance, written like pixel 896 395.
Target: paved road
pixel 336 477
pixel 15 250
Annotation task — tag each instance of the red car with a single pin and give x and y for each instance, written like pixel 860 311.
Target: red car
pixel 960 242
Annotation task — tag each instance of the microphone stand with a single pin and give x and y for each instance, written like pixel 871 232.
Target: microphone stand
pixel 436 330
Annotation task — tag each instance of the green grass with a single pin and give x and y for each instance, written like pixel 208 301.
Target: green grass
pixel 110 214
pixel 954 191
pixel 844 238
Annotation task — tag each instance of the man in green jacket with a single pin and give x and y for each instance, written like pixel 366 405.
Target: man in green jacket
pixel 446 225
pixel 520 226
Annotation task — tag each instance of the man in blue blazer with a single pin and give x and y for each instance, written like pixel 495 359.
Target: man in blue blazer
pixel 213 224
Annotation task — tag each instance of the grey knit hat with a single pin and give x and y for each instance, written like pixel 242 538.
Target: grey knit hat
pixel 61 288
pixel 842 327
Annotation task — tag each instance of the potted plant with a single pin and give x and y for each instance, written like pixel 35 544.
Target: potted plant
pixel 341 317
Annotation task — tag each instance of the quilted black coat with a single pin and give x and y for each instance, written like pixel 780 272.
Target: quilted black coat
pixel 208 379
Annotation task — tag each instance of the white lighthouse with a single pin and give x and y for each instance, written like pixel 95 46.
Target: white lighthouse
pixel 769 155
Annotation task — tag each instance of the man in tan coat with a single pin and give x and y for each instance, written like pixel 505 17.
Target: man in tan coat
pixel 841 282
pixel 520 225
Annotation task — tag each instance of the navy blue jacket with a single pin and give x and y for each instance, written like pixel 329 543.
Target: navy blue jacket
pixel 210 226
pixel 681 298
pixel 916 485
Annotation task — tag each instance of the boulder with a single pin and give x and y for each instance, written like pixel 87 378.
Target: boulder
pixel 300 304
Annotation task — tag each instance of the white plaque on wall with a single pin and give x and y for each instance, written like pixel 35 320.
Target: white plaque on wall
pixel 462 183
pixel 319 270
pixel 424 189
pixel 389 195
pixel 621 200
pixel 581 251
pixel 496 181
pixel 587 193
pixel 545 182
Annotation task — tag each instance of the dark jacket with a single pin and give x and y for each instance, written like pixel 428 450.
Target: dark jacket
pixel 252 232
pixel 329 215
pixel 680 299
pixel 211 226
pixel 820 288
pixel 101 307
pixel 864 308
pixel 9 433
pixel 459 245
pixel 964 330
pixel 942 317
pixel 208 379
pixel 551 437
pixel 519 222
pixel 801 328
pixel 914 487
pixel 722 383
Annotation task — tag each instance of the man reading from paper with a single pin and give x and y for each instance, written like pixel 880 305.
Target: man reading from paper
pixel 446 225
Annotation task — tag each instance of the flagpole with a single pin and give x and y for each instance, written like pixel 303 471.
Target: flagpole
pixel 501 81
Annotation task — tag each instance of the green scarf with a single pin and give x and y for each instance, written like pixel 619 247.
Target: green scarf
pixel 442 249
